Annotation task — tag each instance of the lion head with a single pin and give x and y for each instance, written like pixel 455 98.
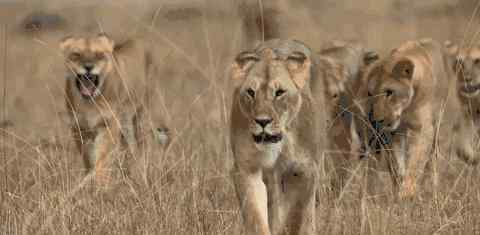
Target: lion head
pixel 391 91
pixel 341 65
pixel 466 65
pixel 272 78
pixel 90 61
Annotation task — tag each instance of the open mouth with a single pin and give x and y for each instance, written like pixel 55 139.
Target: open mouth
pixel 87 84
pixel 380 138
pixel 469 89
pixel 264 138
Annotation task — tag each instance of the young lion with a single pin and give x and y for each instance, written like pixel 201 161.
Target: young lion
pixel 105 93
pixel 465 62
pixel 407 90
pixel 273 137
pixel 341 65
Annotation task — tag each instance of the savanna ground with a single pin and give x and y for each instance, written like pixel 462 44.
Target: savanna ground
pixel 41 175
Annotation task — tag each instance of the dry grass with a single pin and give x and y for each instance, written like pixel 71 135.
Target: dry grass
pixel 43 186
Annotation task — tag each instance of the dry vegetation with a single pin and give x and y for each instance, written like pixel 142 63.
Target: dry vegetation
pixel 41 177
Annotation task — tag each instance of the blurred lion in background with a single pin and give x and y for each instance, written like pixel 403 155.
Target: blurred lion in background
pixel 106 93
pixel 465 63
pixel 341 65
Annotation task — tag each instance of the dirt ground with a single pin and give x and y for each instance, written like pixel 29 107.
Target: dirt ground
pixel 194 42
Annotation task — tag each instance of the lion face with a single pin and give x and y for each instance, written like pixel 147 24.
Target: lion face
pixel 467 69
pixel 270 92
pixel 390 89
pixel 90 61
pixel 341 67
pixel 335 78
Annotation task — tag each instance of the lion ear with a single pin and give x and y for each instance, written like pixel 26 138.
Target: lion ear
pixel 66 42
pixel 299 65
pixel 104 38
pixel 241 64
pixel 403 69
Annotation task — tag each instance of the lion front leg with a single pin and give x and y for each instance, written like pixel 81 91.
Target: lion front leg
pixel 83 140
pixel 101 152
pixel 418 148
pixel 252 195
pixel 465 142
pixel 291 195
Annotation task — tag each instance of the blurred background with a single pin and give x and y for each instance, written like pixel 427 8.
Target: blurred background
pixel 195 40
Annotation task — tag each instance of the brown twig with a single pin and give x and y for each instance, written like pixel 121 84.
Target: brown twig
pixel 4 107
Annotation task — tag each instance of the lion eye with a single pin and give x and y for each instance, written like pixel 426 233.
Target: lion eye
pixel 251 92
pixel 74 56
pixel 476 61
pixel 388 92
pixel 99 55
pixel 280 92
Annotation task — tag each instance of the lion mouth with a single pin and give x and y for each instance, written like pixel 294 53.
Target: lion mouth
pixel 470 89
pixel 265 138
pixel 87 84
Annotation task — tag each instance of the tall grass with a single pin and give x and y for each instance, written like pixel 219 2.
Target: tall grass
pixel 45 189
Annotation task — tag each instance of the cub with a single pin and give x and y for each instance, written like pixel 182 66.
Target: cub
pixel 341 65
pixel 274 138
pixel 407 91
pixel 105 92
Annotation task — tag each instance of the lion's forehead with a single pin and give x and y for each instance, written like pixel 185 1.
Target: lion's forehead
pixel 283 48
pixel 271 74
pixel 79 45
pixel 473 53
pixel 88 45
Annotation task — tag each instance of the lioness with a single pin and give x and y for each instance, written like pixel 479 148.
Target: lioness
pixel 406 92
pixel 105 93
pixel 341 65
pixel 465 63
pixel 274 138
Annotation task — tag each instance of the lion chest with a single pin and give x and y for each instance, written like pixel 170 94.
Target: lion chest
pixel 267 155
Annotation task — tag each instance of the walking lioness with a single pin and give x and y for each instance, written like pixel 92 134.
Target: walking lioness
pixel 273 135
pixel 105 92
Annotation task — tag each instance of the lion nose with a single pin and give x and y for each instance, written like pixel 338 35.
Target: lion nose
pixel 88 67
pixel 263 122
pixel 468 78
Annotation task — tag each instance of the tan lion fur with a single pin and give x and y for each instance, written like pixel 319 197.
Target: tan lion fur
pixel 275 181
pixel 407 91
pixel 106 123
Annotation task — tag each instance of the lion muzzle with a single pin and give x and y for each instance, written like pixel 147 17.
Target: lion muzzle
pixel 264 137
pixel 87 84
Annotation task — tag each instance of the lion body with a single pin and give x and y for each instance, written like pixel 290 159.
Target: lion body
pixel 407 93
pixel 465 63
pixel 106 117
pixel 275 178
pixel 341 65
